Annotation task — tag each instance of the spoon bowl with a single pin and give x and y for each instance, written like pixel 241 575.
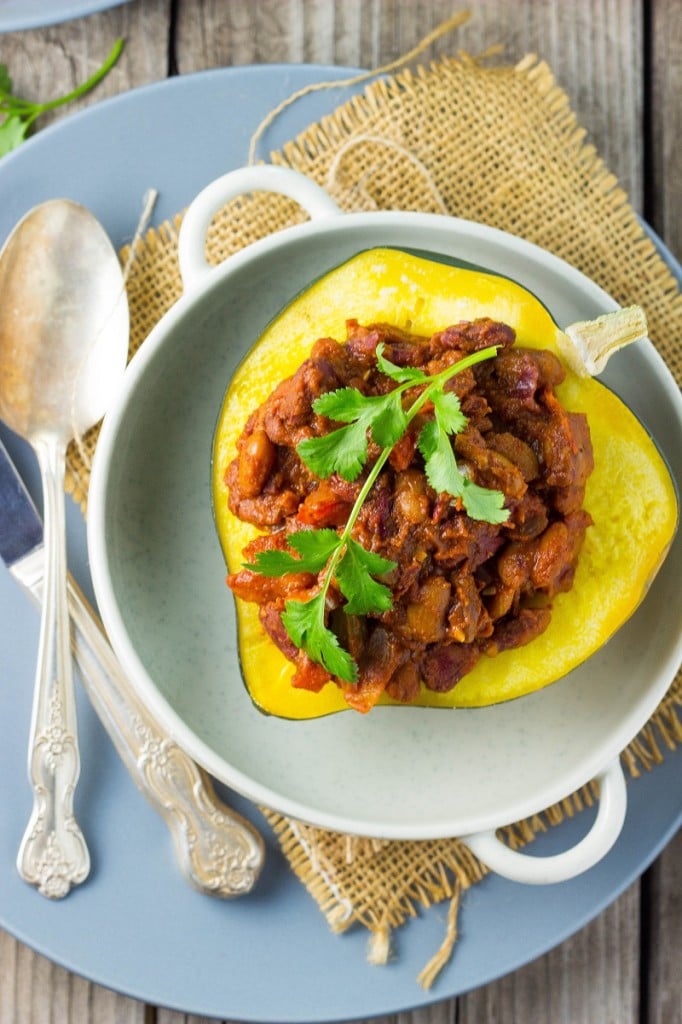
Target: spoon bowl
pixel 63 322
pixel 64 331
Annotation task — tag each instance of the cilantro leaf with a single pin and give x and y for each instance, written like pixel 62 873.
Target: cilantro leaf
pixel 343 451
pixel 5 81
pixel 444 475
pixel 304 622
pixel 12 133
pixel 448 412
pixel 439 459
pixel 20 114
pixel 401 374
pixel 482 503
pixel 343 405
pixel 389 425
pixel 354 575
pixel 314 547
pixel 274 563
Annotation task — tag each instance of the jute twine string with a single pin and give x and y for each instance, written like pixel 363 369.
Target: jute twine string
pixel 529 172
pixel 456 21
pixel 357 189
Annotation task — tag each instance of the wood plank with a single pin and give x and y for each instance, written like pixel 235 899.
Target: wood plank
pixel 594 47
pixel 593 976
pixel 33 990
pixel 438 1013
pixel 666 117
pixel 662 926
pixel 662 888
pixel 46 63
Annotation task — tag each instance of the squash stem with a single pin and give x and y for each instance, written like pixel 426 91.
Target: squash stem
pixel 588 345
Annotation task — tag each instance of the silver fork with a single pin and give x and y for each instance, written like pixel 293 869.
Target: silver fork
pixel 219 851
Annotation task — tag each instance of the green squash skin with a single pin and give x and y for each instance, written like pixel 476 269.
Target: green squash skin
pixel 454 261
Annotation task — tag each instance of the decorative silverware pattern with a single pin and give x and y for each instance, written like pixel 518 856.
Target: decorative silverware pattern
pixel 219 851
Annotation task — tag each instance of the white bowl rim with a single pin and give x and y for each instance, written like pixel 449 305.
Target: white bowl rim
pixel 552 791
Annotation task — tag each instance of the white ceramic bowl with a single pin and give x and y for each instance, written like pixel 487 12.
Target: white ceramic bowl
pixel 158 571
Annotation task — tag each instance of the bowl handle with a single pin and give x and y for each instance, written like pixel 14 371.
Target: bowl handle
pixel 264 178
pixel 522 867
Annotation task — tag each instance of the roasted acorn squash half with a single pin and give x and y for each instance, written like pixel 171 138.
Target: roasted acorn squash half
pixel 630 496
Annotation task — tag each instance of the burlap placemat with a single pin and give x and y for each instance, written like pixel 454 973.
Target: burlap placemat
pixel 498 145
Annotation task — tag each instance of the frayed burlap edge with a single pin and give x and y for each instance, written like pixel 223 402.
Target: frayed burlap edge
pixel 452 867
pixel 441 870
pixel 433 871
pixel 425 185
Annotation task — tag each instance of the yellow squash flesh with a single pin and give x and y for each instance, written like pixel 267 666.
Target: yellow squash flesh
pixel 630 494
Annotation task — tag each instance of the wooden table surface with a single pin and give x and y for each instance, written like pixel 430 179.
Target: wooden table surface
pixel 621 64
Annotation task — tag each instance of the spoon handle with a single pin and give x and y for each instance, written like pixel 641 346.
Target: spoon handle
pixel 53 855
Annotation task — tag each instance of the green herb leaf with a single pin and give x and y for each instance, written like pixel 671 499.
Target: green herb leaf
pixel 12 134
pixel 401 374
pixel 354 576
pixel 22 113
pixel 314 548
pixel 274 563
pixel 389 425
pixel 444 475
pixel 439 459
pixel 343 451
pixel 448 412
pixel 343 405
pixel 483 504
pixel 5 81
pixel 304 622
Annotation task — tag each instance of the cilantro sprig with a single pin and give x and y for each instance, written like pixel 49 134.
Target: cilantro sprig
pixel 20 113
pixel 344 451
pixel 336 556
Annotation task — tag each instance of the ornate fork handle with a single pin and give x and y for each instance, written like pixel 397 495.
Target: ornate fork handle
pixel 219 852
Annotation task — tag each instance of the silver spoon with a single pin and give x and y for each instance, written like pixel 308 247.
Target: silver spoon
pixel 64 331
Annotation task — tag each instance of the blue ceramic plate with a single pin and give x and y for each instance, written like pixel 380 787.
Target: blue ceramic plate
pixel 270 956
pixel 16 15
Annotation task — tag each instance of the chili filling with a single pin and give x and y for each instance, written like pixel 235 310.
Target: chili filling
pixel 461 588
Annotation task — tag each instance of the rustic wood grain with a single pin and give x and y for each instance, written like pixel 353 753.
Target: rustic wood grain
pixel 665 163
pixel 438 1013
pixel 594 976
pixel 35 991
pixel 169 1017
pixel 661 925
pixel 51 62
pixel 594 47
pixel 662 937
pixel 662 888
pixel 597 51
